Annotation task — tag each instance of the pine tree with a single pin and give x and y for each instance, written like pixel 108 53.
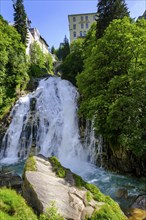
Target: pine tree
pixel 108 10
pixel 53 50
pixel 20 19
pixel 66 48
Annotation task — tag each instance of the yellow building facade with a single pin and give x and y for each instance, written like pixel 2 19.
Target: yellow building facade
pixel 79 24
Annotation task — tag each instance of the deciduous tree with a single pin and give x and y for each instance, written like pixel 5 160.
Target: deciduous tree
pixel 113 85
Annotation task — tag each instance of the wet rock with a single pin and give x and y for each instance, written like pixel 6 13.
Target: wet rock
pixel 140 202
pixel 11 180
pixel 122 193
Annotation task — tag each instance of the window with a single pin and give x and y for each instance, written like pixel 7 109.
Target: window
pixel 94 17
pixel 80 33
pixel 86 17
pixel 74 34
pixel 82 18
pixel 87 25
pixel 74 26
pixel 74 18
pixel 82 26
pixel 84 33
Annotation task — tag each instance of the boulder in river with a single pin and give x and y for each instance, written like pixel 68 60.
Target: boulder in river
pixel 45 181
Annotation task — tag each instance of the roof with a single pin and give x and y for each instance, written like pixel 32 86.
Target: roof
pixel 93 13
pixel 35 29
pixel 44 40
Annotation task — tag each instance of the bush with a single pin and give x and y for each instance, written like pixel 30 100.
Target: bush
pixel 51 213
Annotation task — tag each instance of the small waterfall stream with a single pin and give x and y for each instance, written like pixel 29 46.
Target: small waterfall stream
pixel 46 122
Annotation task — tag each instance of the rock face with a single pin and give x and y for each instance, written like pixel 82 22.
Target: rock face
pixel 140 202
pixel 11 180
pixel 124 162
pixel 42 186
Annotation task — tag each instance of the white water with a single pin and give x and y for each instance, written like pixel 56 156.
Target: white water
pixel 93 144
pixel 50 124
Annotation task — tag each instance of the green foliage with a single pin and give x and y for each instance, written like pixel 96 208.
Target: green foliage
pixel 97 195
pixel 53 50
pixel 106 213
pixel 113 85
pixel 94 193
pixel 107 11
pixel 30 164
pixel 40 63
pixel 79 182
pixel 57 167
pixel 14 207
pixel 51 213
pixel 20 19
pixel 63 50
pixel 13 66
pixel 73 64
pixel 89 196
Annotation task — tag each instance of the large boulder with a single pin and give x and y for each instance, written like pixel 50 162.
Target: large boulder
pixel 45 180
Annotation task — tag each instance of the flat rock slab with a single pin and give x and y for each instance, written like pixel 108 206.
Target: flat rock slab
pixel 41 187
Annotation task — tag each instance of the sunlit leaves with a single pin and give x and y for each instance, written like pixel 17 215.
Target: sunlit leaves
pixel 113 85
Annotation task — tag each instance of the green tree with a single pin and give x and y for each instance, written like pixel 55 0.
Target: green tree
pixel 53 50
pixel 113 85
pixel 13 65
pixel 65 48
pixel 73 64
pixel 20 19
pixel 108 10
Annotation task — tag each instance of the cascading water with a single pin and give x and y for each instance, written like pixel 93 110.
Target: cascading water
pixel 93 144
pixel 46 121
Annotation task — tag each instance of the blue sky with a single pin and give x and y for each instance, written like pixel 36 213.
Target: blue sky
pixel 51 17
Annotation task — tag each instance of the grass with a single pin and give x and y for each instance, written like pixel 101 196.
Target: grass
pixel 14 207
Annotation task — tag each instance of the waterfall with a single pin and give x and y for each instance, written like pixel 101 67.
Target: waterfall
pixel 93 144
pixel 45 120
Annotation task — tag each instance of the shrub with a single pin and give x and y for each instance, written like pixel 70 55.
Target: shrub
pixel 51 213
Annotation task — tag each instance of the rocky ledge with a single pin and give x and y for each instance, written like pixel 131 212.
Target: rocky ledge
pixel 45 180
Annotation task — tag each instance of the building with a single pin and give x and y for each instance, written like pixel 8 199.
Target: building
pixel 79 24
pixel 143 16
pixel 34 35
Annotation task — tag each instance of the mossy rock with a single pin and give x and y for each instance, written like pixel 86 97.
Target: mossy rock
pixel 109 209
pixel 57 167
pixel 30 164
pixel 14 207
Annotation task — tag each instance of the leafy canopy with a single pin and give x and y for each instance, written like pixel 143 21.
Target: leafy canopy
pixel 13 65
pixel 113 85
